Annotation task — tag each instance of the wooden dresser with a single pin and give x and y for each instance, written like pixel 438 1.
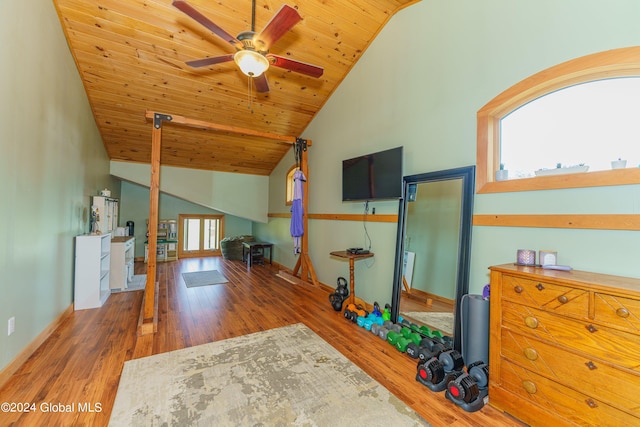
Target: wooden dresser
pixel 564 347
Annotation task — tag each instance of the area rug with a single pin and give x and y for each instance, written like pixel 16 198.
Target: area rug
pixel 434 320
pixel 287 376
pixel 137 283
pixel 203 278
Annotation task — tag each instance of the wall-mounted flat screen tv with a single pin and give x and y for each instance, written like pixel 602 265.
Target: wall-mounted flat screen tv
pixel 375 176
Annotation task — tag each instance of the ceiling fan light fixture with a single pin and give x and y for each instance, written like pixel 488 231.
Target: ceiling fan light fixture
pixel 251 63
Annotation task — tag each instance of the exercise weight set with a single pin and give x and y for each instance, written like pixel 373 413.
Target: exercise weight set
pixel 340 295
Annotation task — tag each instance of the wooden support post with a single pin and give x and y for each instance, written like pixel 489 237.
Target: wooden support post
pixel 148 311
pixel 306 266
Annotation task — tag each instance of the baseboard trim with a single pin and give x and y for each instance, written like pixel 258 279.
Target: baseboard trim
pixel 26 353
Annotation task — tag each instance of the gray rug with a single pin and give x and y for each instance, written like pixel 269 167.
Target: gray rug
pixel 203 278
pixel 437 320
pixel 280 377
pixel 138 283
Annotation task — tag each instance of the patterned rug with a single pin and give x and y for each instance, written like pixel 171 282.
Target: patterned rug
pixel 203 278
pixel 434 320
pixel 280 377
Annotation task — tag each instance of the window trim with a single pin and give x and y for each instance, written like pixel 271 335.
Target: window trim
pixel 623 62
pixel 200 253
pixel 289 184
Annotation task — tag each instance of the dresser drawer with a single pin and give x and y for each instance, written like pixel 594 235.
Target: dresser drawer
pixel 612 345
pixel 618 311
pixel 587 375
pixel 562 401
pixel 551 297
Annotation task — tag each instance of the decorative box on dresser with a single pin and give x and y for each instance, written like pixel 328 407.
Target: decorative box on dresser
pixel 564 346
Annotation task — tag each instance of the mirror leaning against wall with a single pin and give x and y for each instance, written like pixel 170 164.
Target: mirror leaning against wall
pixel 433 249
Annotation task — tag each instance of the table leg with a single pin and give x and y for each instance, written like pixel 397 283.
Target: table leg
pixel 352 285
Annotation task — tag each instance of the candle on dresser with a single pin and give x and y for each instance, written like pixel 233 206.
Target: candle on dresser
pixel 526 257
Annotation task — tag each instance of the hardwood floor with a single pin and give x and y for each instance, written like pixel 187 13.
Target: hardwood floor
pixel 72 378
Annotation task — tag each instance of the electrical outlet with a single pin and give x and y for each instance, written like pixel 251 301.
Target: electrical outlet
pixel 11 327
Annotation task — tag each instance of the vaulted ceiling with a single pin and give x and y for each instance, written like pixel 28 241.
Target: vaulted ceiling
pixel 131 57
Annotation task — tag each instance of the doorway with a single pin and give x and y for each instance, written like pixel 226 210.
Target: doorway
pixel 199 235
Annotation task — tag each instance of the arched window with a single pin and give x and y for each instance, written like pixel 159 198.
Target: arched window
pixel 545 143
pixel 289 184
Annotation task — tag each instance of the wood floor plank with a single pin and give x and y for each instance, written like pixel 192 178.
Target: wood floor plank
pixel 81 362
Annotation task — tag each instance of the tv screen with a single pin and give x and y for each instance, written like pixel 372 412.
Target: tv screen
pixel 376 176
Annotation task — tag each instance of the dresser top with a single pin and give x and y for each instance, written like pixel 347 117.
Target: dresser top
pixel 605 281
pixel 121 239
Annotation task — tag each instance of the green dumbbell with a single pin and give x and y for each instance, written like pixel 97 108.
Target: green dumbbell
pixel 425 330
pixel 405 332
pixel 392 337
pixel 415 338
pixel 402 343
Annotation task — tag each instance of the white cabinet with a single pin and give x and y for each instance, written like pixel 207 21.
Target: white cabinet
pixel 107 209
pixel 122 254
pixel 93 261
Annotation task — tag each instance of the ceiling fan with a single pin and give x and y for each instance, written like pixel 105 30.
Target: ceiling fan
pixel 252 49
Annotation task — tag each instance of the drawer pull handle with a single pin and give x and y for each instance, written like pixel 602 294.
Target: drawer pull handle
pixel 530 353
pixel 563 299
pixel 591 328
pixel 540 287
pixel 622 312
pixel 592 403
pixel 529 386
pixel 531 322
pixel 592 366
pixel 518 289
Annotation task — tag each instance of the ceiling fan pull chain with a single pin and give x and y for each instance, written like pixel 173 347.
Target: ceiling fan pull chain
pixel 249 97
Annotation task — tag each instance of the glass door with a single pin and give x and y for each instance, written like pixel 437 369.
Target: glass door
pixel 200 235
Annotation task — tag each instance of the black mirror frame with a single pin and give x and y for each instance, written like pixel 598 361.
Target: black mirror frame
pixel 467 174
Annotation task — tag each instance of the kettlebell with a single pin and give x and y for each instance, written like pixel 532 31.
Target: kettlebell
pixel 336 301
pixel 342 288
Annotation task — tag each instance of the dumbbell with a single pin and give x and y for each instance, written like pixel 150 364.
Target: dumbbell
pixel 436 372
pixel 403 342
pixel 370 320
pixel 468 390
pixel 425 349
pixel 384 329
pixel 352 312
pixel 377 324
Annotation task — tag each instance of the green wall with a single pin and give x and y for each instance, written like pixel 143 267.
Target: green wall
pixel 419 85
pixel 52 161
pixel 135 207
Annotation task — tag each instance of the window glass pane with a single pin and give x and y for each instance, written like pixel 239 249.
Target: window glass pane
pixel 211 234
pixel 192 234
pixel 590 124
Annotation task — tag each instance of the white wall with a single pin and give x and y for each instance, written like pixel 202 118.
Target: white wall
pixel 241 195
pixel 420 85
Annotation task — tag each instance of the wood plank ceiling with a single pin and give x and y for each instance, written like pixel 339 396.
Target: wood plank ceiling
pixel 131 58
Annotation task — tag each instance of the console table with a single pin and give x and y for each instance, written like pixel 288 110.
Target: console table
pixel 352 259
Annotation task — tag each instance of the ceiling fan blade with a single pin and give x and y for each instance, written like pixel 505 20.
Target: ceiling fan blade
pixel 210 61
pixel 206 22
pixel 297 66
pixel 261 82
pixel 281 22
